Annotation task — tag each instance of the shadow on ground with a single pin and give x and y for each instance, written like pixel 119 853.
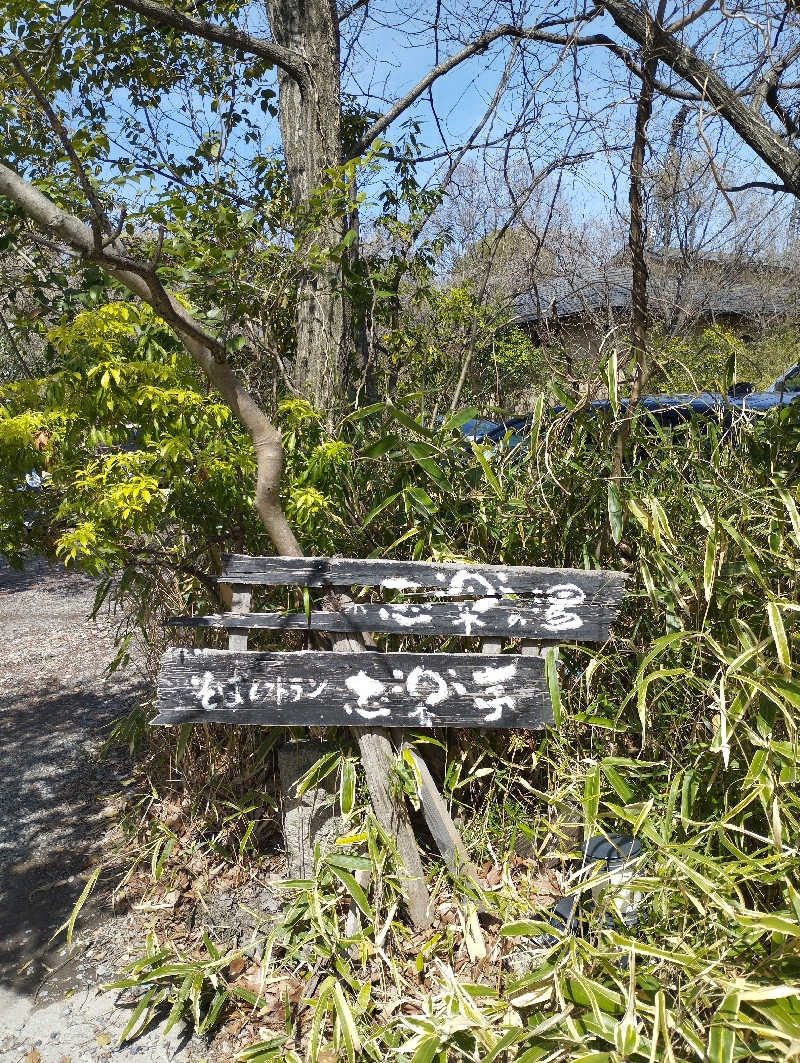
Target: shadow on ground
pixel 53 823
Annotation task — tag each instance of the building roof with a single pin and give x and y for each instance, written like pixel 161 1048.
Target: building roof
pixel 609 290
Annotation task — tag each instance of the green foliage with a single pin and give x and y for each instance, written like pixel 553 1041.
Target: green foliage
pixel 681 731
pixel 139 460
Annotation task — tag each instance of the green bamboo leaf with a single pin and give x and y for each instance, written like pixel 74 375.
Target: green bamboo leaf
pixel 777 924
pixel 455 420
pixel 138 1016
pixel 318 771
pixel 551 674
pixel 591 795
pixel 612 378
pixel 349 861
pixel 320 1011
pixel 180 1000
pixel 218 1001
pixel 347 1024
pixel 616 781
pixel 525 928
pixel 69 925
pixel 794 516
pixel 488 471
pixel 365 411
pixel 381 446
pixel 709 565
pixel 722 1034
pixel 779 636
pixel 353 888
pixel 421 500
pixel 427 1049
pixel 380 508
pixel 347 787
pixel 410 423
pixel 615 511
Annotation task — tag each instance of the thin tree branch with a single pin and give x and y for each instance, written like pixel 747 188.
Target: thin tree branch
pixel 480 44
pixel 292 63
pixel 348 11
pixel 100 220
pixel 691 16
pixel 770 186
pixel 782 159
pixel 9 335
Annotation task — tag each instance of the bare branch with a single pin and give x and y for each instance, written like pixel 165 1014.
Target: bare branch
pixel 348 11
pixel 100 220
pixel 292 63
pixel 690 16
pixel 752 128
pixel 770 186
pixel 480 44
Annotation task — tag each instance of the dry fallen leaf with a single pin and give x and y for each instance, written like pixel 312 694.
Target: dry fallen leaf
pixel 476 946
pixel 33 1056
pixel 494 877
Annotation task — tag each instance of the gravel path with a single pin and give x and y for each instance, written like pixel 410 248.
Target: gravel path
pixel 55 710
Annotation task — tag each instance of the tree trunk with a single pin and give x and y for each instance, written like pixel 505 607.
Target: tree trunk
pixel 310 121
pixel 637 240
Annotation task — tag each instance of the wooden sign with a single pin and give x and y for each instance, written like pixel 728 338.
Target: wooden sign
pixel 416 690
pixel 439 580
pixel 564 612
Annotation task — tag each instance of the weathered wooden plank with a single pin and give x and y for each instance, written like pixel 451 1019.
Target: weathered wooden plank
pixel 316 688
pixel 570 616
pixel 443 829
pixel 447 579
pixel 391 811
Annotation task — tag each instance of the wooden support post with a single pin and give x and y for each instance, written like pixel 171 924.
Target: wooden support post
pixel 445 833
pixel 240 603
pixel 377 755
pixel 310 819
pixel 538 647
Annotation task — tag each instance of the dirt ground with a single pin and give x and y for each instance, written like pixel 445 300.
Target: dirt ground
pixel 56 793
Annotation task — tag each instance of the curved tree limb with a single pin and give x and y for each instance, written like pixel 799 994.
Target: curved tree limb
pixel 292 63
pixel 141 280
pixel 208 352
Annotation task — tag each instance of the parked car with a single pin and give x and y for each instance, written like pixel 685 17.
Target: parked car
pixel 788 383
pixel 665 410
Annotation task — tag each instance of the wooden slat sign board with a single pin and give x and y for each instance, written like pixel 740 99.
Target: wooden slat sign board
pixel 356 689
pixel 445 579
pixel 566 612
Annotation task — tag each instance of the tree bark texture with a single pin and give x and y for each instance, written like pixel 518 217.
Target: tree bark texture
pixel 310 121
